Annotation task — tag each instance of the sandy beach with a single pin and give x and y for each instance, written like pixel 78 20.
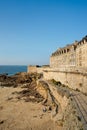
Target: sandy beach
pixel 16 114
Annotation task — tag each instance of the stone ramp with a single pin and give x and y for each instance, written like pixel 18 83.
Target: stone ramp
pixel 76 107
pixel 81 104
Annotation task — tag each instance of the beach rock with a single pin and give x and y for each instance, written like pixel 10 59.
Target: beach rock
pixel 2 78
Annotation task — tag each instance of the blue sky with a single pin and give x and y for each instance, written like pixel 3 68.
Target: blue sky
pixel 30 30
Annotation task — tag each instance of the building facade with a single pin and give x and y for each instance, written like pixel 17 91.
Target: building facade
pixel 74 55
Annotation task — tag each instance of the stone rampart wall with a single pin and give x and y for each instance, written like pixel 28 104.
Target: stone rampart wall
pixel 74 80
pixel 72 55
pixel 63 60
pixel 35 69
pixel 31 69
pixel 81 55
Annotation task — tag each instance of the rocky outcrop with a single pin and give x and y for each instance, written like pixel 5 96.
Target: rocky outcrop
pixel 17 79
pixel 49 100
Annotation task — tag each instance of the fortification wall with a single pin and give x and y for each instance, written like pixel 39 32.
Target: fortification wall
pixel 35 69
pixel 63 60
pixel 74 80
pixel 31 69
pixel 68 65
pixel 71 55
pixel 81 55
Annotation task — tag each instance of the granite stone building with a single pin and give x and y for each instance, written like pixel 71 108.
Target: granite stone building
pixel 74 55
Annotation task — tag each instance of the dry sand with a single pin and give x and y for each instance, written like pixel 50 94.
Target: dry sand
pixel 16 114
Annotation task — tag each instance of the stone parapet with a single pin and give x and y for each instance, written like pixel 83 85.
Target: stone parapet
pixel 76 80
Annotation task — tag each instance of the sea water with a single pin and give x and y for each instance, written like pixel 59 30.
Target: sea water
pixel 12 69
